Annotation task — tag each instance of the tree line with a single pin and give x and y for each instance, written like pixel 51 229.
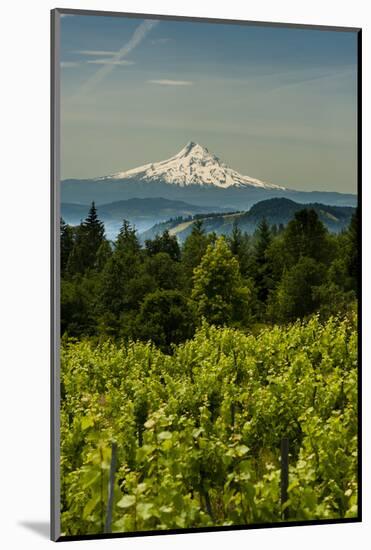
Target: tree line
pixel 162 291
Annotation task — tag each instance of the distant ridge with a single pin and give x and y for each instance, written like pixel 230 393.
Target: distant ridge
pixel 143 213
pixel 275 211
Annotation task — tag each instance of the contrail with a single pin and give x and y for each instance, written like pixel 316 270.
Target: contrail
pixel 139 34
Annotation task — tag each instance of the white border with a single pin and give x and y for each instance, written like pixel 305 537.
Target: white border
pixel 24 246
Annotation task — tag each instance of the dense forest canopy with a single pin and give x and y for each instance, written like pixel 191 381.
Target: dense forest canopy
pixel 161 291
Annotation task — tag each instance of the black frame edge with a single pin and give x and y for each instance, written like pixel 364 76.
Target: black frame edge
pixel 305 523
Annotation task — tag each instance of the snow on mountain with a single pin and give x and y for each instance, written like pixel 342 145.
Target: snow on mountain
pixel 193 165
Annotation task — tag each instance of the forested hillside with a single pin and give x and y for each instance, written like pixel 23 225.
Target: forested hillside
pixel 162 291
pixel 276 212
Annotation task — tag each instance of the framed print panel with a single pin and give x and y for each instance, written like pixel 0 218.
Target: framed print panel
pixel 206 288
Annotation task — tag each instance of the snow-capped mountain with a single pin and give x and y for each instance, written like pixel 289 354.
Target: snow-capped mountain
pixel 193 165
pixel 194 176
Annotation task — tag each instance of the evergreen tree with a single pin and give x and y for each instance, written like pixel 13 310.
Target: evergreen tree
pixel 104 254
pixel 89 237
pixel 120 285
pixel 239 244
pixel 165 318
pixel 219 294
pixel 334 294
pixel 66 244
pixel 164 243
pixel 263 272
pixel 306 236
pixel 235 240
pixel 78 305
pixel 165 272
pixel 127 240
pixel 296 296
pixel 193 250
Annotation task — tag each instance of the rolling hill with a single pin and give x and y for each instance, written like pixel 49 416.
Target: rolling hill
pixel 274 211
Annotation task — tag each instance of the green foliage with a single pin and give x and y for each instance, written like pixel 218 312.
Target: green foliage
pixel 219 293
pixel 198 433
pixel 88 239
pixel 164 243
pixel 295 297
pixel 351 250
pixel 127 241
pixel 306 235
pixel 267 279
pixel 165 272
pixel 194 249
pixel 165 318
pixel 198 417
pixel 263 271
pixel 239 244
pixel 66 244
pixel 79 305
pixel 119 289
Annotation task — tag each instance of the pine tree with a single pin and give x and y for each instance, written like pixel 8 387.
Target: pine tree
pixel 104 254
pixel 164 243
pixel 295 296
pixel 66 244
pixel 262 267
pixel 94 234
pixel 306 236
pixel 193 250
pixel 121 289
pixel 239 246
pixel 263 240
pixel 127 239
pixel 89 237
pixel 165 272
pixel 165 318
pixel 235 240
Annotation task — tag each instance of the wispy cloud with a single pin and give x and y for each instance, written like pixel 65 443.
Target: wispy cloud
pixel 104 53
pixel 111 62
pixel 69 64
pixel 138 36
pixel 171 82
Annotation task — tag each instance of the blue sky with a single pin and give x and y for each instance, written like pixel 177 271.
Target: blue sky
pixel 274 103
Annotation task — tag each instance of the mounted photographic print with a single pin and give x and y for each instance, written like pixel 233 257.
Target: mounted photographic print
pixel 206 274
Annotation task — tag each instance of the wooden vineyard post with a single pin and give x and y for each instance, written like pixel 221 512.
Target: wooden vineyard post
pixel 111 489
pixel 284 475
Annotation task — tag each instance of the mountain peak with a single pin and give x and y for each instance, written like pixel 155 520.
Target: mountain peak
pixel 193 165
pixel 193 151
pixel 190 145
pixel 193 147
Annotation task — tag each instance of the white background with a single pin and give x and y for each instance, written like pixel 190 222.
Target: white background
pixel 24 270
